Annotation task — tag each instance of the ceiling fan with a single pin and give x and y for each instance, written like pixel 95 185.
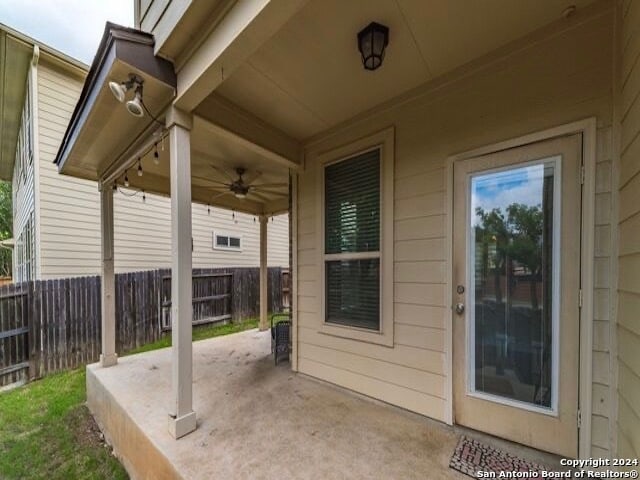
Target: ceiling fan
pixel 241 187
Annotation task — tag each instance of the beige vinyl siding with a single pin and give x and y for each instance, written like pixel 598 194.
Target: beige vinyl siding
pixel 551 81
pixel 160 17
pixel 601 422
pixel 69 210
pixel 628 430
pixel 149 12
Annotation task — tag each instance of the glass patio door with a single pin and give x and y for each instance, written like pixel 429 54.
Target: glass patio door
pixel 516 283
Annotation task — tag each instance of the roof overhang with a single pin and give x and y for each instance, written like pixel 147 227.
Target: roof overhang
pixel 15 56
pixel 101 128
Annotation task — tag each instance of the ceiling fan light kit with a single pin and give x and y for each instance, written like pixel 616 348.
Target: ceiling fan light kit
pixel 238 187
pixel 241 189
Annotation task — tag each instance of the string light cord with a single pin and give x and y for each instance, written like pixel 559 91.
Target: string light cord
pixel 154 146
pixel 135 192
pixel 154 118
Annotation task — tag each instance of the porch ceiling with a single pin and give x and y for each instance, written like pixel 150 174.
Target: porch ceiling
pixel 105 143
pixel 309 77
pixel 214 160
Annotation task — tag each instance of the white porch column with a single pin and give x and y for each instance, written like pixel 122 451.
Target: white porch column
pixel 264 302
pixel 182 418
pixel 108 355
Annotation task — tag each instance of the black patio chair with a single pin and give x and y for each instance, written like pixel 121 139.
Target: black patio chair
pixel 280 336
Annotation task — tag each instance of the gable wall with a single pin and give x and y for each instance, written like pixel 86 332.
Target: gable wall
pixel 559 79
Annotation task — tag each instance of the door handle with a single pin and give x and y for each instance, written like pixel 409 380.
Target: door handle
pixel 459 308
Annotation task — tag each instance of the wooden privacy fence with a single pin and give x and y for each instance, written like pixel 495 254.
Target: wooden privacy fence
pixel 212 295
pixel 53 325
pixel 14 332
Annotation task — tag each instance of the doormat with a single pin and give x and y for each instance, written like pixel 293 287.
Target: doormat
pixel 472 457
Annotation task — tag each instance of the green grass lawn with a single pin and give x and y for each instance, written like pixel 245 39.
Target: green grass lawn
pixel 200 333
pixel 47 432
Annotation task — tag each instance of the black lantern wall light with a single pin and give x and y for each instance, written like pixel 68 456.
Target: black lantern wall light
pixel 372 41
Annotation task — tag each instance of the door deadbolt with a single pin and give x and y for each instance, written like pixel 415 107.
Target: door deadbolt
pixel 459 308
pixel 460 289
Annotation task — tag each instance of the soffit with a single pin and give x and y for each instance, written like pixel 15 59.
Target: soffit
pixel 309 77
pixel 100 127
pixel 15 56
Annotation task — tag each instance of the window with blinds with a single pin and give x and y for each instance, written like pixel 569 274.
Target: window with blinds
pixel 352 241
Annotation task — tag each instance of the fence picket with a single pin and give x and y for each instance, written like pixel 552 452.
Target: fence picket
pixel 51 325
pixel 3 327
pixel 93 293
pixel 79 318
pixel 13 323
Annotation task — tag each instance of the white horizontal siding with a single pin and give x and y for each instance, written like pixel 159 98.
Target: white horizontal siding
pixel 70 215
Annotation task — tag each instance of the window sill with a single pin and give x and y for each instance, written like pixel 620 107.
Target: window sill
pixel 358 334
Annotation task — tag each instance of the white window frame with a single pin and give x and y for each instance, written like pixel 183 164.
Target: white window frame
pixel 384 141
pixel 24 252
pixel 218 233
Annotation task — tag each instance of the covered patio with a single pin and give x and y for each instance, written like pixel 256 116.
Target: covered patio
pixel 273 95
pixel 257 421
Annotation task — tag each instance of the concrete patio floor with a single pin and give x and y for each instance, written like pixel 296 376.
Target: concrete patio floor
pixel 258 421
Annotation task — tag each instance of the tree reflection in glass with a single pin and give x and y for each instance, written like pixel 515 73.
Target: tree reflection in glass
pixel 511 256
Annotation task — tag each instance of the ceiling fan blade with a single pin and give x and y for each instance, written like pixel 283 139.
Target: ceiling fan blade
pixel 252 177
pixel 223 172
pixel 211 180
pixel 270 192
pixel 218 195
pixel 272 185
pixel 258 196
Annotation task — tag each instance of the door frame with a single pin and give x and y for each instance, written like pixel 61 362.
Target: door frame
pixel 587 127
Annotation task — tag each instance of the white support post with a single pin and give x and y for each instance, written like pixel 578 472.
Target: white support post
pixel 182 418
pixel 108 355
pixel 264 302
pixel 293 269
